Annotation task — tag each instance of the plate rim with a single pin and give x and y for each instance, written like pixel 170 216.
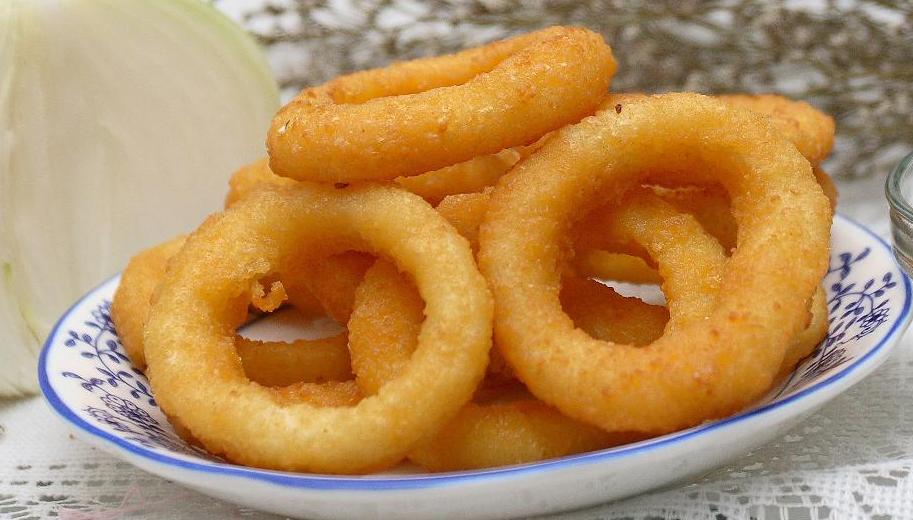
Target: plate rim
pixel 319 482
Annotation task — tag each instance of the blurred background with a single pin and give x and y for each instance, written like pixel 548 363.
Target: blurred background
pixel 854 59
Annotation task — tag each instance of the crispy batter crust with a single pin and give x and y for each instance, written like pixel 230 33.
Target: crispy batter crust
pixel 197 376
pixel 418 116
pixel 693 373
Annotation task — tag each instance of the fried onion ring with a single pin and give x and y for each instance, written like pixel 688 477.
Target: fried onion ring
pixel 807 341
pixel 597 309
pixel 465 212
pixel 270 363
pixel 277 363
pixel 418 116
pixel 331 280
pixel 133 298
pixel 827 185
pixel 471 176
pixel 466 177
pixel 196 374
pixel 691 264
pixel 695 372
pixel 325 283
pixel 251 177
pixel 621 267
pixel 513 432
pixel 709 204
pixel 604 314
pixel 383 333
pixel 811 130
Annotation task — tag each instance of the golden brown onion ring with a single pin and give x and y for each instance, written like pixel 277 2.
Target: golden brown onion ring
pixel 466 177
pixel 251 177
pixel 708 203
pixel 383 333
pixel 811 130
pixel 465 212
pixel 621 267
pixel 197 376
pixel 691 264
pixel 133 298
pixel 277 363
pixel 418 116
pixel 604 314
pixel 664 233
pixel 270 363
pixel 695 372
pixel 332 280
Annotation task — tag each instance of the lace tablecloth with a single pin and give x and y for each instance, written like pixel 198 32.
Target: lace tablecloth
pixel 851 460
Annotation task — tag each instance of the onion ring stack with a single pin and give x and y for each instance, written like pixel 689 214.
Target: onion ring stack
pixel 465 218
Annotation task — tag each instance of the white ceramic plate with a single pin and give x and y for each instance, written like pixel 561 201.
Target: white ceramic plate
pixel 89 382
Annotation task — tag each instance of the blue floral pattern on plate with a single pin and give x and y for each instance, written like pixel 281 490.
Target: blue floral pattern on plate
pixel 857 306
pixel 121 389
